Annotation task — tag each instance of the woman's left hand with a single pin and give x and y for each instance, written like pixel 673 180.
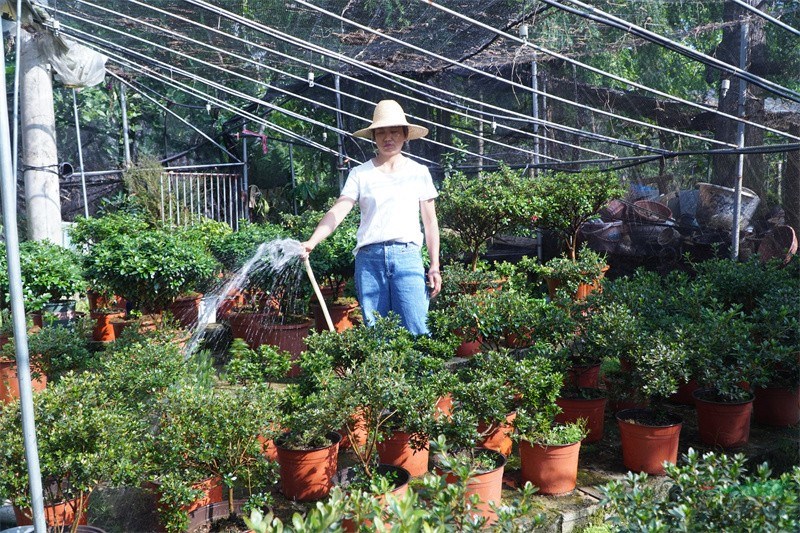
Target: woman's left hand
pixel 434 282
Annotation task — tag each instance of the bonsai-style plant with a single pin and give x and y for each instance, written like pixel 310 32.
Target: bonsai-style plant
pixel 50 273
pixel 200 435
pixel 776 332
pixel 563 202
pixel 151 268
pixel 567 276
pixel 262 365
pixel 85 439
pixel 478 208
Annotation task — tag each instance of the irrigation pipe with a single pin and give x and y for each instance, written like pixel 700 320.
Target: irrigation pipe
pixel 320 299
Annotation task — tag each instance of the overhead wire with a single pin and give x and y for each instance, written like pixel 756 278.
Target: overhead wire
pixel 766 16
pixel 598 15
pixel 516 85
pixel 453 105
pixel 609 75
pixel 391 76
pixel 262 65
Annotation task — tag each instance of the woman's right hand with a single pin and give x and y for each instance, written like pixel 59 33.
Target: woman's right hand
pixel 307 248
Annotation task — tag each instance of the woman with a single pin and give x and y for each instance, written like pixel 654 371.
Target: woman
pixel 392 192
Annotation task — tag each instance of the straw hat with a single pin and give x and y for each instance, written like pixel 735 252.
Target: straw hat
pixel 387 114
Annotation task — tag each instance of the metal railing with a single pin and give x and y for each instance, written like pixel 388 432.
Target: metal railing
pixel 185 196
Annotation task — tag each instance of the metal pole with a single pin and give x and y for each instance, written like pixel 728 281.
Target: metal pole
pixel 339 135
pixel 9 197
pixel 161 188
pixel 535 110
pixel 294 182
pixel 245 180
pixel 737 199
pixel 80 152
pixel 123 101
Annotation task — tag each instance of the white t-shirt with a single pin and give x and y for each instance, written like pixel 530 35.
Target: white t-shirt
pixel 389 203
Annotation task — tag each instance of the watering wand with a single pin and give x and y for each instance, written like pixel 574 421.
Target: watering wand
pixel 319 295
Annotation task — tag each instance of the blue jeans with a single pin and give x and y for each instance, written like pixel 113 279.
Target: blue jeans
pixel 390 277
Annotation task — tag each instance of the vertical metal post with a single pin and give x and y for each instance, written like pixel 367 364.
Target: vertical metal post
pixel 294 180
pixel 737 199
pixel 123 102
pixel 224 205
pixel 245 194
pixel 80 152
pixel 8 184
pixel 339 136
pixel 161 188
pixel 535 111
pixel 220 216
pixel 236 199
pixel 191 199
pixel 169 196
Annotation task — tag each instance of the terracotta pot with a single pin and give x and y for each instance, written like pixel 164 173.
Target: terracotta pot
pixel 397 451
pixel 645 448
pixel 554 469
pixel 307 475
pixel 468 348
pixel 257 329
pixel 488 486
pixel 498 436
pixel 584 376
pixel 186 310
pixel 358 428
pixel 584 289
pixel 777 406
pixel 683 396
pixel 268 448
pixel 9 382
pixel 591 409
pixel 344 477
pixel 339 313
pixel 56 515
pixel 444 406
pixel 212 493
pixel 103 330
pixel 725 424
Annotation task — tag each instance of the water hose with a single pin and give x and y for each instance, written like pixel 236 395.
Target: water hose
pixel 319 295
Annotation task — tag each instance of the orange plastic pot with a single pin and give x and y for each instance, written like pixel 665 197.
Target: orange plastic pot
pixel 725 424
pixel 56 515
pixel 498 435
pixel 9 382
pixel 554 469
pixel 593 410
pixel 307 475
pixel 339 313
pixel 397 451
pixel 584 376
pixel 645 448
pixel 487 485
pixel 103 330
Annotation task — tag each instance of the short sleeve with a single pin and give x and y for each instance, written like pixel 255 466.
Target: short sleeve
pixel 351 186
pixel 428 191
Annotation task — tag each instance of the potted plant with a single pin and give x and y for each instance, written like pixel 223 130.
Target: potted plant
pixel 716 487
pixel 723 350
pixel 477 209
pixel 549 455
pixel 650 436
pixel 308 449
pixel 201 444
pixel 563 202
pixel 149 269
pixel 776 333
pixel 84 439
pixel 574 278
pixel 51 277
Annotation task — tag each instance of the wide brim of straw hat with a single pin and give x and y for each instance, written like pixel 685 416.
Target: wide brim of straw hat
pixel 389 114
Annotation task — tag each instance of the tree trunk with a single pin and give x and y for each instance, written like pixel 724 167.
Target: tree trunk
pixel 725 167
pixel 39 160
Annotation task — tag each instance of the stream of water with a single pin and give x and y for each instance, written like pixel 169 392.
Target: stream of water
pixel 278 261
